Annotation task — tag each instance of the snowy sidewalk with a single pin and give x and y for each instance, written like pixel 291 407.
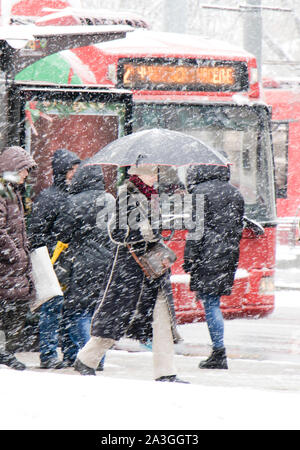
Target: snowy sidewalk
pixel 33 401
pixel 261 389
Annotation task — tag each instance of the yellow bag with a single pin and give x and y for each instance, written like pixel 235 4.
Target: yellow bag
pixel 60 247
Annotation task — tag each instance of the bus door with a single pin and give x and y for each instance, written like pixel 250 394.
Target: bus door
pixel 43 119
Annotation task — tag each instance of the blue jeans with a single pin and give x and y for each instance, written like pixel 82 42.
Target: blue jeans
pixel 49 324
pixel 214 319
pixel 75 333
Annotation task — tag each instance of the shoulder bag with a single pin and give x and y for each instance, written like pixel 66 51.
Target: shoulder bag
pixel 156 261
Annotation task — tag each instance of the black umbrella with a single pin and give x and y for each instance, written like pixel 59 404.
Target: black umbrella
pixel 160 147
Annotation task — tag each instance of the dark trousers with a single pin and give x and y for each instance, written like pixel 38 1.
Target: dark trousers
pixel 49 325
pixel 13 317
pixel 214 318
pixel 75 333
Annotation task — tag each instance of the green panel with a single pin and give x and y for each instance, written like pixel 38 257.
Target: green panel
pixel 53 69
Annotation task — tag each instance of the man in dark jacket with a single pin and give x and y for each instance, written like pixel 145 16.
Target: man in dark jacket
pixel 16 285
pixel 81 225
pixel 212 259
pixel 45 210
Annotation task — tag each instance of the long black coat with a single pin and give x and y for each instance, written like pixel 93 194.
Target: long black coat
pixel 126 305
pixel 79 224
pixel 212 260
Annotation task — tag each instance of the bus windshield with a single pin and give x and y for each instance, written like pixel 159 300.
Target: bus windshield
pixel 240 132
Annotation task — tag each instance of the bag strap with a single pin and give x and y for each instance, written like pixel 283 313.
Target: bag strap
pixel 135 257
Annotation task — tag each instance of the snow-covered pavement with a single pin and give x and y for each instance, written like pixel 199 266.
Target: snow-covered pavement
pixel 261 389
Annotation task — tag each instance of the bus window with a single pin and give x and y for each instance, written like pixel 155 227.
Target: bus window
pixel 280 135
pixel 239 131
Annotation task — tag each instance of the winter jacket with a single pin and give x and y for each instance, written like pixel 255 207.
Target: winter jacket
pixel 15 267
pixel 47 205
pixel 79 225
pixel 125 307
pixel 212 260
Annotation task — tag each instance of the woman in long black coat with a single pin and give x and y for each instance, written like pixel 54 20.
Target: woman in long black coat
pixel 132 305
pixel 212 259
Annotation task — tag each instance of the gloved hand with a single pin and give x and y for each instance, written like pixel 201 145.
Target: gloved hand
pixel 188 265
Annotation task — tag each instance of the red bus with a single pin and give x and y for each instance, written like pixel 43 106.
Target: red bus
pixel 201 87
pixel 284 97
pixel 207 89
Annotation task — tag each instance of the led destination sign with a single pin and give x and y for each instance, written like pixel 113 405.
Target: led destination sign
pixel 191 74
pixel 178 75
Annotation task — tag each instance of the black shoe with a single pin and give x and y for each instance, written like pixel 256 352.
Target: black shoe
pixel 9 359
pixel 171 379
pixel 52 363
pixel 100 367
pixel 217 360
pixel 67 363
pixel 83 369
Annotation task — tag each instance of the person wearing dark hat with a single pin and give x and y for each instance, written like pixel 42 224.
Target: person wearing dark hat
pixel 212 258
pixel 16 284
pixel 131 304
pixel 45 210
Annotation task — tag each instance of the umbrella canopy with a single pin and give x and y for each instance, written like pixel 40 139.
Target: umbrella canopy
pixel 160 147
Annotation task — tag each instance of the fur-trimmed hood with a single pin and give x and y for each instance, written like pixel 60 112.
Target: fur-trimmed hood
pixel 15 159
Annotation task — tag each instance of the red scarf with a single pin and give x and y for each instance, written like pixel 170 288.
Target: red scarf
pixel 142 187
